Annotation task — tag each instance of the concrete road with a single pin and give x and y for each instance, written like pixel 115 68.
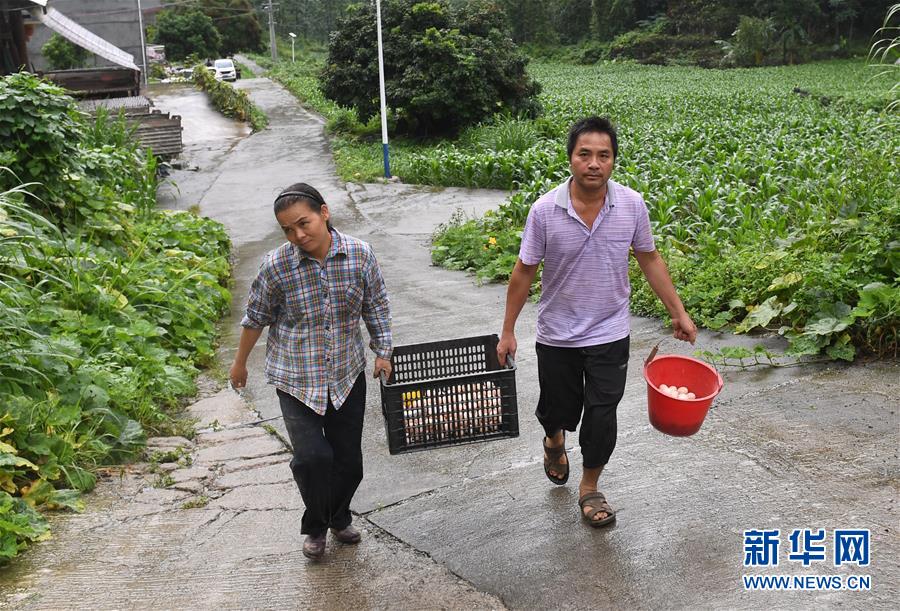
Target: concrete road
pixel 812 447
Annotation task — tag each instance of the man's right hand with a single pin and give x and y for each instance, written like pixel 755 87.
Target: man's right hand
pixel 238 375
pixel 507 345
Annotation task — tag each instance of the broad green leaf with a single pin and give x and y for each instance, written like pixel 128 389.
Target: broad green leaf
pixel 770 258
pixel 760 315
pixel 844 352
pixel 806 345
pixel 11 460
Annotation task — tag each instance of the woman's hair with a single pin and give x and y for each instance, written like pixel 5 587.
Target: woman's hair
pixel 297 193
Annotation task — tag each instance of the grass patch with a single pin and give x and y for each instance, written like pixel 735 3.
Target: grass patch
pixel 197 502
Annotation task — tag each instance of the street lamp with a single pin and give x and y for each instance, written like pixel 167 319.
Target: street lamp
pixel 293 36
pixel 384 133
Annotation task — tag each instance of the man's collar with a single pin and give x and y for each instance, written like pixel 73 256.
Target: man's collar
pixel 562 198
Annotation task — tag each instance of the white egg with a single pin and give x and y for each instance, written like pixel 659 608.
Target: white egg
pixel 691 395
pixel 682 390
pixel 664 387
pixel 681 396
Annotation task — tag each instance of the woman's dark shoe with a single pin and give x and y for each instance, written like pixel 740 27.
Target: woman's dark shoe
pixel 347 535
pixel 314 546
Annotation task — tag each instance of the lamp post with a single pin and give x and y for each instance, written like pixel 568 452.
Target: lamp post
pixel 384 134
pixel 293 36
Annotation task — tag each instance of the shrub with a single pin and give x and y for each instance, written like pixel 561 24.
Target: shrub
pixel 506 134
pixel 751 43
pixel 445 69
pixel 62 54
pixel 591 52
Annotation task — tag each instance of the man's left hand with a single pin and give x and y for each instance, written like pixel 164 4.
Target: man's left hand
pixel 683 328
pixel 382 365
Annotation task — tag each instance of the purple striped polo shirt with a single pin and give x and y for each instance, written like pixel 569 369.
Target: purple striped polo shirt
pixel 584 285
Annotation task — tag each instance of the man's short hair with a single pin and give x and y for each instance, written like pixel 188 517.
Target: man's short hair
pixel 592 124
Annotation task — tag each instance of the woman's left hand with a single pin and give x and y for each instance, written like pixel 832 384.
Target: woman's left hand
pixel 382 365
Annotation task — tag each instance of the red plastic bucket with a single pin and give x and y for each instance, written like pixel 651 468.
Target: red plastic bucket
pixel 679 417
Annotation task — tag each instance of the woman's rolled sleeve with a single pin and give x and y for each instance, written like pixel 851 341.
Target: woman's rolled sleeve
pixel 262 303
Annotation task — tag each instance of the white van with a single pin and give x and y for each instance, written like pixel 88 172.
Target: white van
pixel 225 69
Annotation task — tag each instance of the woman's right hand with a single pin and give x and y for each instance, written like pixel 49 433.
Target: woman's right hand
pixel 238 375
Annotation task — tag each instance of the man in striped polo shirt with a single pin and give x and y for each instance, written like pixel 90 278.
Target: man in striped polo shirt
pixel 583 231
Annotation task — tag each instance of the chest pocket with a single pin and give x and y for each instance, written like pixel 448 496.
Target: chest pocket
pixel 349 300
pixel 296 310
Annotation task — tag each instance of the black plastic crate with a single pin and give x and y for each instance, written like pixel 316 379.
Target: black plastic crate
pixel 448 393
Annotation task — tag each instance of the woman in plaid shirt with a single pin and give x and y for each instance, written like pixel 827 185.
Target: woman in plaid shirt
pixel 311 292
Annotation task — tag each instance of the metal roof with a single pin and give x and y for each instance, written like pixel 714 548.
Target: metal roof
pixel 84 38
pixel 131 104
pixel 21 4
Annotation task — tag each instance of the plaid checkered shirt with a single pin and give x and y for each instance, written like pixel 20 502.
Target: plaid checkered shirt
pixel 314 349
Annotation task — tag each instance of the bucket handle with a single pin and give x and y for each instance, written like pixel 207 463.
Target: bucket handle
pixel 652 354
pixel 655 349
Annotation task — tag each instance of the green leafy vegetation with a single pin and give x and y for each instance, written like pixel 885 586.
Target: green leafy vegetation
pixel 229 101
pixel 772 193
pixel 107 305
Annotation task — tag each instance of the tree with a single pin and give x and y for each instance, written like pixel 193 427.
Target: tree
pixel 235 21
pixel 62 54
pixel 187 33
pixel 444 68
pixel 706 17
pixel 572 20
pixel 529 20
pixel 309 19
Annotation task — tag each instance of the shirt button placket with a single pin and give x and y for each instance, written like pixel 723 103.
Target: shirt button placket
pixel 323 275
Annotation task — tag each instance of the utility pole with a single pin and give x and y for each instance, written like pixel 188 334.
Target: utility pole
pixel 272 32
pixel 143 43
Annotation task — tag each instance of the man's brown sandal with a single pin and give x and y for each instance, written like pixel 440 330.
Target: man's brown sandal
pixel 597 504
pixel 552 462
